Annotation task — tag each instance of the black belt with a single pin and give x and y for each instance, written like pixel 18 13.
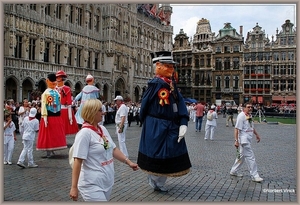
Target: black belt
pixel 165 118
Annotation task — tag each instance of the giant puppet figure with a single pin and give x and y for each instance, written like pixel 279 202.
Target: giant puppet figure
pixel 51 132
pixel 88 92
pixel 162 151
pixel 67 113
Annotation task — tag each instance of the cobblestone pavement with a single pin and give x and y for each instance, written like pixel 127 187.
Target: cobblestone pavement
pixel 208 181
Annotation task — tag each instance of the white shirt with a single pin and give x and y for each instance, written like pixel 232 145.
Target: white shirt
pixel 22 116
pixel 122 111
pixel 9 131
pixel 103 113
pixel 30 128
pixel 97 170
pixel 245 128
pixel 212 122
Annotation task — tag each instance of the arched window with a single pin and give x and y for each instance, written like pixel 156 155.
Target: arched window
pixel 227 81
pixel 181 42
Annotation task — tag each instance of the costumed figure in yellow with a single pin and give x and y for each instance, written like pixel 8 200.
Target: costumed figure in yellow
pixel 162 150
pixel 51 132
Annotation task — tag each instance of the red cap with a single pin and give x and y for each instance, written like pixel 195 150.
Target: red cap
pixel 61 73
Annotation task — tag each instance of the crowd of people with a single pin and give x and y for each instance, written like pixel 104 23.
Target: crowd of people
pixel 163 115
pixel 12 108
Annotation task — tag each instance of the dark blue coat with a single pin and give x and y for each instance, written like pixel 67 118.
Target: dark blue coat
pixel 159 151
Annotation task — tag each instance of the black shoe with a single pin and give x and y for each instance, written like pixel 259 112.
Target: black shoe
pixel 161 189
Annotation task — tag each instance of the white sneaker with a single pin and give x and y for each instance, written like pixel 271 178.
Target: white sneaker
pixel 20 164
pixel 236 174
pixel 33 165
pixel 5 162
pixel 257 179
pixel 10 163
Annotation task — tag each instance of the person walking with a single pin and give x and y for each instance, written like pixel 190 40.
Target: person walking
pixel 121 121
pixel 23 112
pixel 211 123
pixel 243 133
pixel 229 116
pixel 199 115
pixel 30 126
pixel 9 138
pixel 94 152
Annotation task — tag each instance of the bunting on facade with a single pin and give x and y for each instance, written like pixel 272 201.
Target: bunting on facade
pixel 161 15
pixel 153 10
pixel 168 18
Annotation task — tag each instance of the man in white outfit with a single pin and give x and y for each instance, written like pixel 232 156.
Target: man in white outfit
pixel 211 124
pixel 121 121
pixel 244 130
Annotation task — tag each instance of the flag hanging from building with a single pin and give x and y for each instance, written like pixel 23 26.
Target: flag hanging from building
pixel 153 10
pixel 161 15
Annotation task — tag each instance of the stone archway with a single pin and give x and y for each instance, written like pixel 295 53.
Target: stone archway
pixel 136 94
pixel 27 89
pixel 78 88
pixel 120 88
pixel 11 89
pixel 105 92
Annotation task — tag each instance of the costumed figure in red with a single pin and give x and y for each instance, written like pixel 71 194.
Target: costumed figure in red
pixel 66 112
pixel 51 132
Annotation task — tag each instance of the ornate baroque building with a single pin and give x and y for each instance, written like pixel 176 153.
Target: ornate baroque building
pixel 283 70
pixel 209 66
pixel 223 66
pixel 112 42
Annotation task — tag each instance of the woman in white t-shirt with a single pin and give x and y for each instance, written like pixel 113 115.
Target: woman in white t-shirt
pixel 94 152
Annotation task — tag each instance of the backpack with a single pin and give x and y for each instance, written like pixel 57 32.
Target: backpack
pixel 210 115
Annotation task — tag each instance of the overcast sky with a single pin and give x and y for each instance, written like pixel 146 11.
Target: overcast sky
pixel 268 16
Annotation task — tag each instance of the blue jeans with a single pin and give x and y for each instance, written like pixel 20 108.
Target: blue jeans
pixel 199 122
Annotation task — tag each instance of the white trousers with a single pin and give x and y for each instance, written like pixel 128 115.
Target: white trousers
pixel 246 155
pixel 122 139
pixel 9 144
pixel 209 131
pixel 27 150
pixel 158 181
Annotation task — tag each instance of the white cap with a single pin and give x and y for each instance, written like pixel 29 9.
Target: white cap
pixel 212 107
pixel 119 97
pixel 32 112
pixel 89 77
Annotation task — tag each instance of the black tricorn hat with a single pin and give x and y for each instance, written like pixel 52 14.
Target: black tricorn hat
pixel 52 77
pixel 163 57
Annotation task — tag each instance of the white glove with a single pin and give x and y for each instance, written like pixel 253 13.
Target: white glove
pixel 45 120
pixel 182 131
pixel 70 114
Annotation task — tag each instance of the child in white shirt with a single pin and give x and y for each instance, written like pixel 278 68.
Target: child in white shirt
pixel 9 138
pixel 30 126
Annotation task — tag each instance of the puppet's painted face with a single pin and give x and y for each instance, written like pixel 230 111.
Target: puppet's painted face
pixel 164 69
pixel 59 81
pixel 90 81
pixel 50 84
